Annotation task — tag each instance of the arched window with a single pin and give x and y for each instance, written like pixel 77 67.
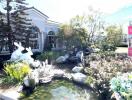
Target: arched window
pixel 51 40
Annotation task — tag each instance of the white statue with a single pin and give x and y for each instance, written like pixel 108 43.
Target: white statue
pixel 27 56
pixel 18 52
pixel 17 55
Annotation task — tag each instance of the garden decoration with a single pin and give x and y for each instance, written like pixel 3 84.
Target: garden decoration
pixel 122 84
pixel 18 52
pixel 17 55
pixel 27 56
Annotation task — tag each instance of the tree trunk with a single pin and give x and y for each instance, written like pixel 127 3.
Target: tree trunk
pixel 9 33
pixel 27 40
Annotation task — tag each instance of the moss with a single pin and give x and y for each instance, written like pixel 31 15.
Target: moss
pixel 43 92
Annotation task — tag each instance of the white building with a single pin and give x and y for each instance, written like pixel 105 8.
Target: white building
pixel 48 30
pixel 44 39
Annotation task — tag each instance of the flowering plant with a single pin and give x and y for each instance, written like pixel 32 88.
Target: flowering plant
pixel 123 85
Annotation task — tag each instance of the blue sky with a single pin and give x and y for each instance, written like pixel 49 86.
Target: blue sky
pixel 63 10
pixel 121 16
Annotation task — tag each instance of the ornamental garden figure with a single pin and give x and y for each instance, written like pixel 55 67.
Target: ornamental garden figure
pixel 19 55
pixel 18 52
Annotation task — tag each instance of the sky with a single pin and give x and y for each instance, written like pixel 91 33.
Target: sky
pixel 63 10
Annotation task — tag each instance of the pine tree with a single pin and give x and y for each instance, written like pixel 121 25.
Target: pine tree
pixel 21 24
pixel 18 26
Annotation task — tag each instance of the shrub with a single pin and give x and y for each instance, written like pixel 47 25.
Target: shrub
pixel 51 55
pixel 122 84
pixel 102 70
pixel 17 70
pixel 89 80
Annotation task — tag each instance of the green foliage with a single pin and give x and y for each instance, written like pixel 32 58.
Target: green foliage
pixel 52 55
pixel 123 85
pixel 89 80
pixel 81 30
pixel 114 35
pixel 7 81
pixel 72 36
pixel 107 47
pixel 106 54
pixel 17 70
pixel 103 69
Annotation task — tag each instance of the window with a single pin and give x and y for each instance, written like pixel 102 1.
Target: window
pixel 34 44
pixel 51 39
pixel 33 41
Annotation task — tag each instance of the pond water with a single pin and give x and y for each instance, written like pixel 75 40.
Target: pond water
pixel 61 90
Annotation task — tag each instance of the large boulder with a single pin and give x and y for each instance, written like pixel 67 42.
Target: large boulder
pixel 77 69
pixel 62 59
pixel 79 77
pixel 58 73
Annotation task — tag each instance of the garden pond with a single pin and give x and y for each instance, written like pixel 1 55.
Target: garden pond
pixel 60 90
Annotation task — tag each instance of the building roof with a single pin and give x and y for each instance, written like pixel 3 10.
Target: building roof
pixel 37 11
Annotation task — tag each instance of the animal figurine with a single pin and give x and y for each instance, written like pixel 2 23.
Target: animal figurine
pixel 27 56
pixel 18 52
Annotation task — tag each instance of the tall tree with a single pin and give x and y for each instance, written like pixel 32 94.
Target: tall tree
pixel 7 31
pixel 22 27
pixel 114 35
pixel 92 23
pixel 18 26
pixel 82 29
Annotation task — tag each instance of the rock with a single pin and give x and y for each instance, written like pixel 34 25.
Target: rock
pixel 62 59
pixel 68 76
pixel 74 59
pixel 20 88
pixel 79 77
pixel 58 73
pixel 80 55
pixel 80 65
pixel 45 80
pixel 77 69
pixel 36 64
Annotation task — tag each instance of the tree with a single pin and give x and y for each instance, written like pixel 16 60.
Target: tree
pixel 112 39
pixel 21 25
pixel 7 32
pixel 72 37
pixel 18 27
pixel 114 35
pixel 81 30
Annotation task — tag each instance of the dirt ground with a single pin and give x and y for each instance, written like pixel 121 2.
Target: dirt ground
pixel 9 94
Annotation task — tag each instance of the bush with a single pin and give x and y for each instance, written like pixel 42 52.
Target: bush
pixel 17 70
pixel 50 55
pixel 122 84
pixel 107 47
pixel 89 80
pixel 102 70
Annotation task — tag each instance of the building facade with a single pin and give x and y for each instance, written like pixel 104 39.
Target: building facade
pixel 45 38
